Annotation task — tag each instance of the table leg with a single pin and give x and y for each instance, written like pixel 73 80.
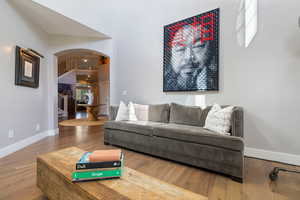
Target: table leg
pixel 92 114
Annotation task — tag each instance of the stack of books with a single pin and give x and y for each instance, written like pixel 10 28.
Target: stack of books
pixel 101 164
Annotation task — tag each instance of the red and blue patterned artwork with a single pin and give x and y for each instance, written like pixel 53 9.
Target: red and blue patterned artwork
pixel 191 53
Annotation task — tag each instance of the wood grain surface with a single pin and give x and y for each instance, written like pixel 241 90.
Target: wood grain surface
pixel 18 171
pixel 54 179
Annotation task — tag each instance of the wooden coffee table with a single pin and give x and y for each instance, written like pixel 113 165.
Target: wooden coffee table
pixel 54 179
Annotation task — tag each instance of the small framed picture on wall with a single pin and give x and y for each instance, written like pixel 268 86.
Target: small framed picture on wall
pixel 27 68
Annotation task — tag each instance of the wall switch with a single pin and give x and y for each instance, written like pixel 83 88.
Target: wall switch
pixel 11 133
pixel 37 128
pixel 124 92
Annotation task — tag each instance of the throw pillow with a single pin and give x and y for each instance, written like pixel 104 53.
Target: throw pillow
pixel 131 111
pixel 219 120
pixel 141 112
pixel 123 112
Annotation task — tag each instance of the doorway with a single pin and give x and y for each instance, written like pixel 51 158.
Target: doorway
pixel 83 87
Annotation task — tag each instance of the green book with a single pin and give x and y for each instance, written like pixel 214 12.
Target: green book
pixel 97 174
pixel 94 174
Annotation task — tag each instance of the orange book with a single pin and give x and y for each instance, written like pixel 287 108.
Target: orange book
pixel 105 155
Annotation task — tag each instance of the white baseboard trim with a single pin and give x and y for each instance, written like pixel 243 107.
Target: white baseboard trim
pixel 291 159
pixel 53 132
pixel 26 142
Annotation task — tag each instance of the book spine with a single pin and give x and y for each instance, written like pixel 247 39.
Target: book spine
pixel 97 169
pixel 82 166
pixel 76 176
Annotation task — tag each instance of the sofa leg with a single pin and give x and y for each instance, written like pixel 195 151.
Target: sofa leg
pixel 237 179
pixel 106 143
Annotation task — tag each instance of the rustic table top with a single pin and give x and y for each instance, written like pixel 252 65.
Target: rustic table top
pixel 132 185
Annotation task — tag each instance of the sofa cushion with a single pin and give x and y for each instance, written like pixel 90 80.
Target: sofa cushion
pixel 219 119
pixel 123 112
pixel 113 111
pixel 188 115
pixel 141 112
pixel 205 112
pixel 159 113
pixel 139 127
pixel 237 126
pixel 199 135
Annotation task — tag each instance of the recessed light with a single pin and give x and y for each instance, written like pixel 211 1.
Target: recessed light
pixel 85 60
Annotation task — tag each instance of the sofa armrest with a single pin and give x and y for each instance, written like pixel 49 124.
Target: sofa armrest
pixel 237 122
pixel 113 111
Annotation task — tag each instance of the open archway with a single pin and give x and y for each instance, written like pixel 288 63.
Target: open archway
pixel 82 86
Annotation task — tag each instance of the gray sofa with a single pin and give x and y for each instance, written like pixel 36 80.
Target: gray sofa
pixel 176 132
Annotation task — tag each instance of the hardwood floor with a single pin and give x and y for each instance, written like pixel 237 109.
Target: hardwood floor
pixel 18 171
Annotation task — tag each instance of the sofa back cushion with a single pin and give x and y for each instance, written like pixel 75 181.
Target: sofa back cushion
pixel 159 113
pixel 113 111
pixel 187 115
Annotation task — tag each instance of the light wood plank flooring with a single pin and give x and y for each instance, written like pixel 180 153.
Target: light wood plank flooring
pixel 18 171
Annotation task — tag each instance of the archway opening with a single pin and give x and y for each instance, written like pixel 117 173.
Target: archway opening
pixel 83 87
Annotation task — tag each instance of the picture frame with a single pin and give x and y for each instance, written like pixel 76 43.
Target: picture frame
pixel 27 68
pixel 191 54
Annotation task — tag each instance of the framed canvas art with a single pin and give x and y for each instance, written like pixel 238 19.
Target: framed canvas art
pixel 191 54
pixel 27 68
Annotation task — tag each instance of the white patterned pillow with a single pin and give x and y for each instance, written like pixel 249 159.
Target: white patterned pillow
pixel 219 120
pixel 131 111
pixel 141 112
pixel 125 112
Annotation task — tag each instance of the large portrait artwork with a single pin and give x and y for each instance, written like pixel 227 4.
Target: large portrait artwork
pixel 191 54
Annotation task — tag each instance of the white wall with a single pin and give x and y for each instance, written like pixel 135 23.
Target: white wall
pixel 263 78
pixel 21 108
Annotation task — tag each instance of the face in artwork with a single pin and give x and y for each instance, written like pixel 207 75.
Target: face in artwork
pixel 190 54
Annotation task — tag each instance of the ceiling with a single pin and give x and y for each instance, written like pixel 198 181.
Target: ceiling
pixel 54 23
pixel 84 65
pixel 82 58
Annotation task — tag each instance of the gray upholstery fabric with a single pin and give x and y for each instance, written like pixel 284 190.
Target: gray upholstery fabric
pixel 192 145
pixel 159 113
pixel 199 135
pixel 188 115
pixel 138 127
pixel 205 156
pixel 209 157
pixel 237 120
pixel 128 139
pixel 113 111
